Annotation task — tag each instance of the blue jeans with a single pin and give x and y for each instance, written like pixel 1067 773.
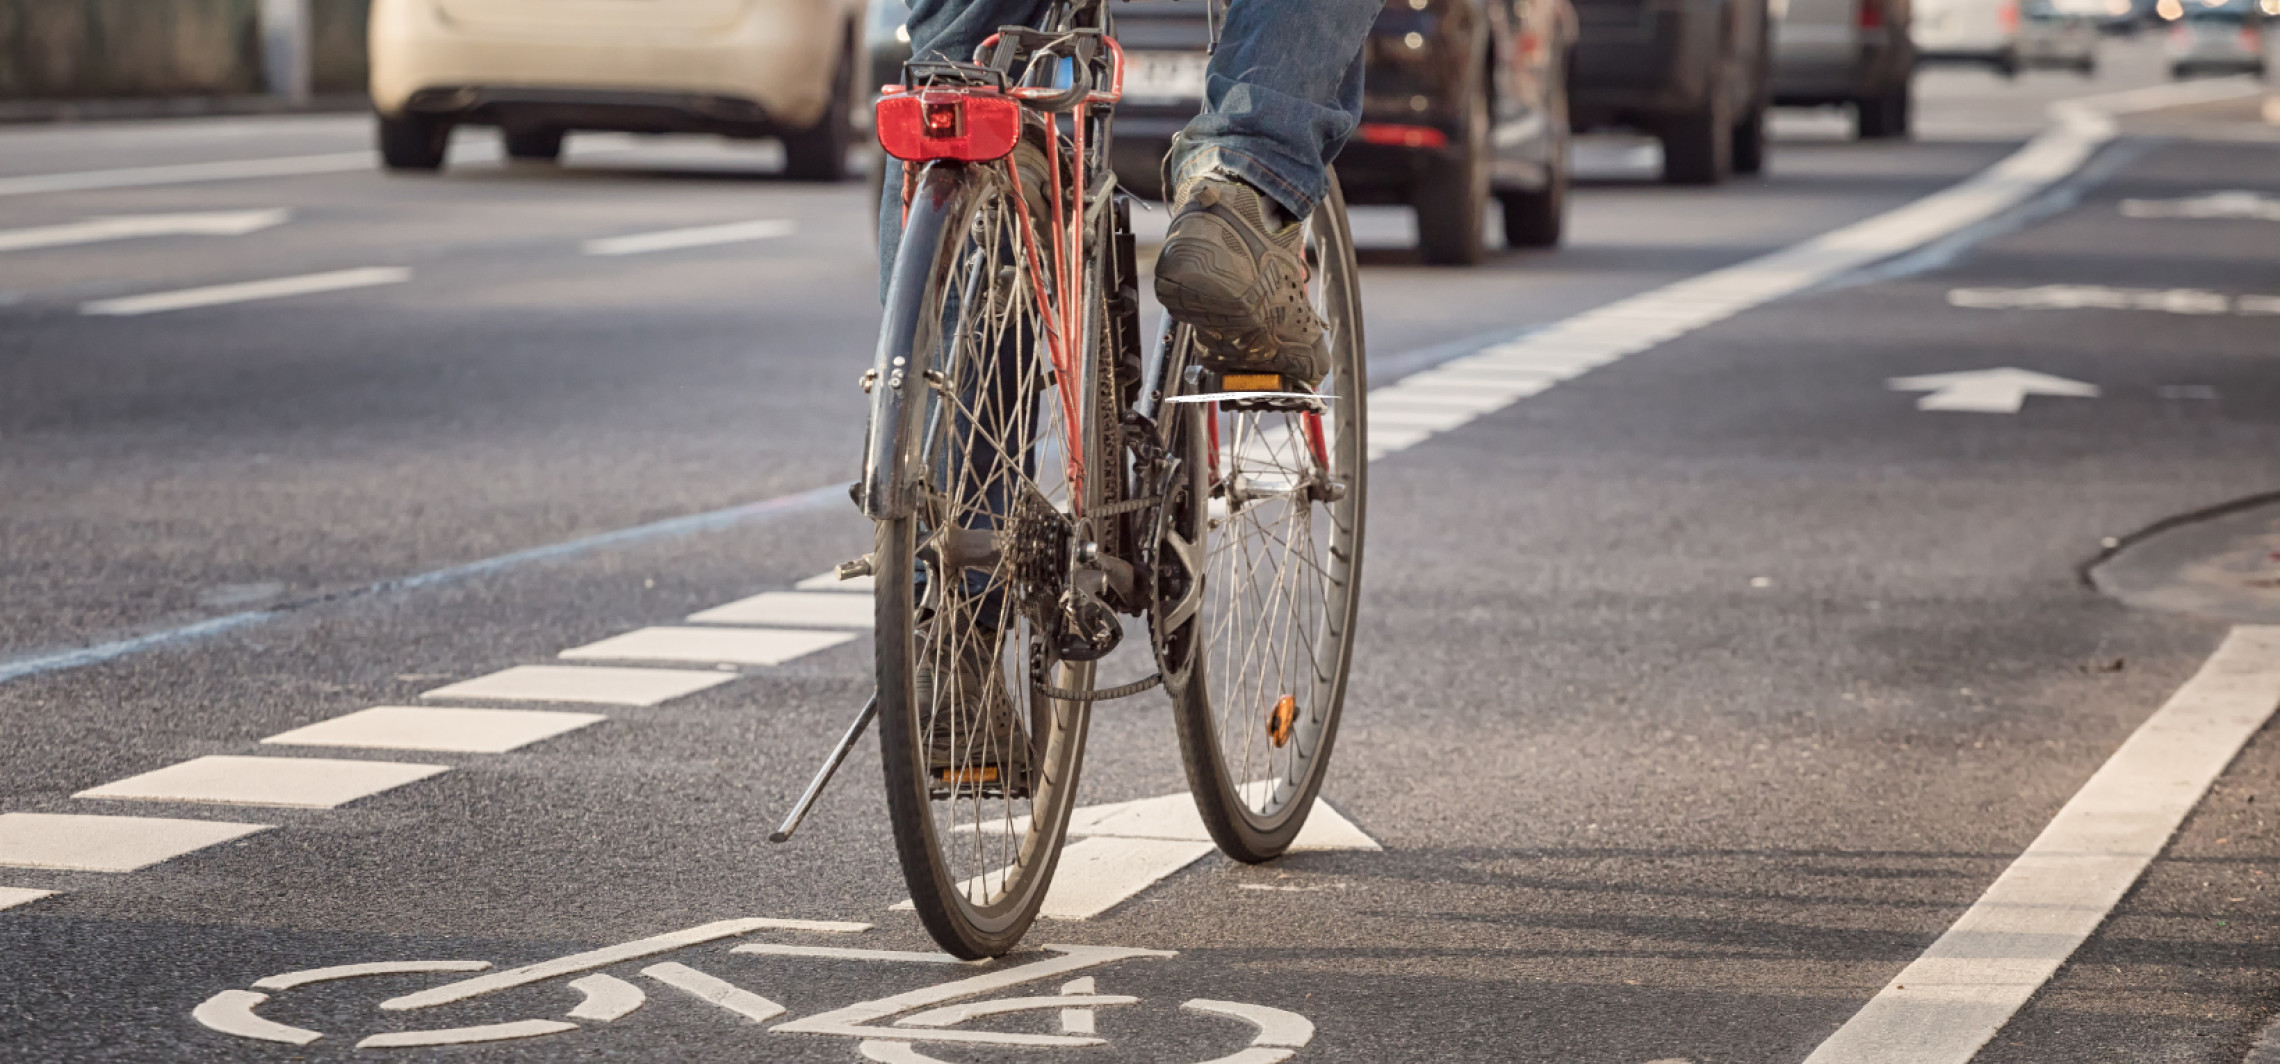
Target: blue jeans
pixel 1283 92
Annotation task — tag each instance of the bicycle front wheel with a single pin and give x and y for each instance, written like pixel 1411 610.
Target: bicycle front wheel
pixel 980 761
pixel 1261 576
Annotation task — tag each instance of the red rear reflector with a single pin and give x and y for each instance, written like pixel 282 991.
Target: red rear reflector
pixel 967 125
pixel 1403 136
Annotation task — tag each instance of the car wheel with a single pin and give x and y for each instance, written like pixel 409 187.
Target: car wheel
pixel 1749 143
pixel 1538 218
pixel 819 153
pixel 413 142
pixel 1884 116
pixel 1698 148
pixel 536 145
pixel 1452 197
pixel 2087 68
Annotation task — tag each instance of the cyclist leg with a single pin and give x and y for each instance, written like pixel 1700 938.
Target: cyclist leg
pixel 1283 93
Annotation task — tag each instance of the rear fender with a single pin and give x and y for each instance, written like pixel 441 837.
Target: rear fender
pixel 908 337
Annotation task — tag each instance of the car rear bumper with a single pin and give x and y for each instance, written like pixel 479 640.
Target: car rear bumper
pixel 768 72
pixel 1860 65
pixel 1637 60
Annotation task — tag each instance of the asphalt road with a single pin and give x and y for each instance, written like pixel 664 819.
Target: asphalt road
pixel 1696 696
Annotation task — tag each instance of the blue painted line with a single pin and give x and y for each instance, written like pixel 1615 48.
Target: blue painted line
pixel 713 520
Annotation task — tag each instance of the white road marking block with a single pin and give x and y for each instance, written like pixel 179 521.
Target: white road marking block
pixel 831 582
pixel 607 997
pixel 10 897
pixel 1949 1002
pixel 952 1015
pixel 576 683
pixel 855 1020
pixel 810 609
pixel 80 843
pixel 298 782
pixel 1277 1027
pixel 719 992
pixel 231 1012
pixel 695 237
pixel 779 949
pixel 247 291
pixel 184 173
pixel 470 731
pixel 606 956
pixel 460 1036
pixel 128 227
pixel 289 980
pixel 738 646
pixel 1988 391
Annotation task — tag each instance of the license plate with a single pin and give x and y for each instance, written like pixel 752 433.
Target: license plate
pixel 1164 76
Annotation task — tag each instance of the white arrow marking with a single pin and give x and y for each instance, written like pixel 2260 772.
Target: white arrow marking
pixel 1987 391
pixel 128 227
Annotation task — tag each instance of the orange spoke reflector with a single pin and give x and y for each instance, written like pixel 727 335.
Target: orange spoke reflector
pixel 1282 719
pixel 1251 382
pixel 984 774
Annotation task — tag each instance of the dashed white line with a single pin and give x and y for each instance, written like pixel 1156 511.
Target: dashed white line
pixel 720 992
pixel 248 291
pixel 809 609
pixel 131 226
pixel 1946 1004
pixel 739 646
pixel 580 683
pixel 79 843
pixel 295 782
pixel 185 173
pixel 10 897
pixel 694 237
pixel 470 731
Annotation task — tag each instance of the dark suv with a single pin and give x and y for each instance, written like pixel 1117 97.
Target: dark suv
pixel 1691 72
pixel 1463 100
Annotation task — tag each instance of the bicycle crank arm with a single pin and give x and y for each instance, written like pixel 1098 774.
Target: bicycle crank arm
pixel 830 766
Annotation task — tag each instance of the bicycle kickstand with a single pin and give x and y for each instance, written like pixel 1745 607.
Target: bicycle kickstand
pixel 830 766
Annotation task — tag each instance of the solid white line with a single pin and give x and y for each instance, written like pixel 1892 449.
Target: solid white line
pixel 581 683
pixel 736 646
pixel 1943 1007
pixel 813 609
pixel 289 980
pixel 80 843
pixel 185 173
pixel 247 291
pixel 696 237
pixel 465 731
pixel 231 1012
pixel 607 998
pixel 720 992
pixel 14 896
pixel 604 957
pixel 297 782
pixel 460 1036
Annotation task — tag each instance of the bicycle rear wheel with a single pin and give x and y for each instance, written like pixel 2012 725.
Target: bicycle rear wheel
pixel 1260 574
pixel 966 583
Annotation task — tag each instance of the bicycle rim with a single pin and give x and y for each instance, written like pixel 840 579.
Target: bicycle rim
pixel 1258 673
pixel 979 811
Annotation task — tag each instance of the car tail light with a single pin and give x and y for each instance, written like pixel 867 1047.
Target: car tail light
pixel 1403 136
pixel 1871 14
pixel 2251 39
pixel 966 125
pixel 2007 16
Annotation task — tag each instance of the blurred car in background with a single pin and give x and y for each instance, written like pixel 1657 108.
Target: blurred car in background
pixel 1464 100
pixel 1694 73
pixel 2060 33
pixel 1853 52
pixel 2219 37
pixel 1968 31
pixel 538 69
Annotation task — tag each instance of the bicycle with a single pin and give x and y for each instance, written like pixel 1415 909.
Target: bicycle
pixel 1036 476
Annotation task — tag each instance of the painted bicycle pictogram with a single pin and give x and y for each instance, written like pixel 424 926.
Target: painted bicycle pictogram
pixel 889 1029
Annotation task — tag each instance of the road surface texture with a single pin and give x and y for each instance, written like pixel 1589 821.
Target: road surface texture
pixel 1702 702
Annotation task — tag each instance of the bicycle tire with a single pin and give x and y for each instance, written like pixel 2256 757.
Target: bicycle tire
pixel 1254 805
pixel 977 866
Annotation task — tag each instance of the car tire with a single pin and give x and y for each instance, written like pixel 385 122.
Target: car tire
pixel 819 153
pixel 1884 116
pixel 413 142
pixel 1537 218
pixel 2087 68
pixel 542 144
pixel 1451 198
pixel 1698 148
pixel 1749 143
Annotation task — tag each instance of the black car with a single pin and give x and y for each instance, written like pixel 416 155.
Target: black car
pixel 1463 100
pixel 1694 73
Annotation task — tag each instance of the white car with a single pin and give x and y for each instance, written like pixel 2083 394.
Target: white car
pixel 2060 33
pixel 2216 37
pixel 538 69
pixel 1968 31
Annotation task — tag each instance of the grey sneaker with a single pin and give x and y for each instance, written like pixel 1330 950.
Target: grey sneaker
pixel 1239 280
pixel 974 742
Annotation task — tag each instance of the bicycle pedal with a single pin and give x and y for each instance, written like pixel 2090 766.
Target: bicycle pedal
pixel 1254 391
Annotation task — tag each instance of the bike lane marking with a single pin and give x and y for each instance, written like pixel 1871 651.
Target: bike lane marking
pixel 608 955
pixel 731 646
pixel 1951 1000
pixel 294 782
pixel 719 992
pixel 458 1036
pixel 79 843
pixel 14 896
pixel 582 683
pixel 463 731
pixel 607 998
